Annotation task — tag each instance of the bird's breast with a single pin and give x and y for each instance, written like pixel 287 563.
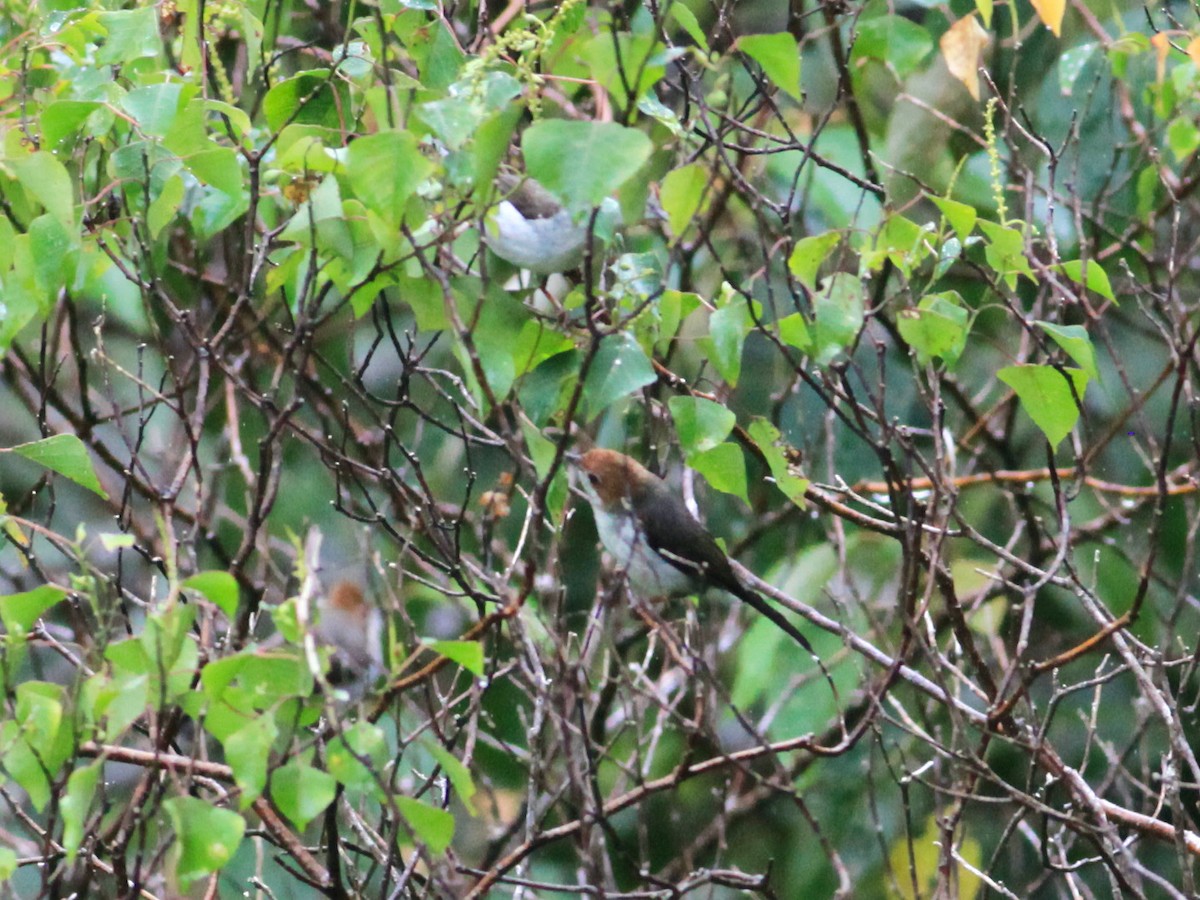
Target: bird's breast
pixel 546 245
pixel 650 575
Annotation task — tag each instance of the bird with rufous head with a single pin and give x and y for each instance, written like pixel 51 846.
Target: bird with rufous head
pixel 658 545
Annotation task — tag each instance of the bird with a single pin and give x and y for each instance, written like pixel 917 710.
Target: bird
pixel 662 549
pixel 532 229
pixel 353 628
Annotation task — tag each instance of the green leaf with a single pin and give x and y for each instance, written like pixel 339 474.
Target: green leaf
pixel 62 118
pixel 424 296
pixel 937 327
pixel 723 467
pixel 808 254
pixel 701 424
pixel 39 741
pixel 219 588
pixel 536 343
pixel 653 107
pixel 1005 251
pixel 1096 280
pixel 766 437
pixel 498 338
pixel 581 163
pixel 948 255
pixel 120 703
pixel 221 168
pixel 48 181
pixel 618 369
pixel 440 58
pixel 128 656
pixel 53 249
pixel 468 654
pixel 686 19
pixel 302 792
pixel 453 119
pixel 1071 63
pixel 14 533
pixel 434 827
pixel 901 241
pixel 155 106
pixel 793 331
pixel 541 449
pixel 727 330
pixel 266 677
pixel 19 612
pixel 66 455
pixel 385 169
pixel 247 752
pixel 22 301
pixel 81 786
pixel 840 312
pixel 681 194
pixel 1183 138
pixel 543 391
pixel 459 775
pixel 164 633
pixel 132 34
pixel 206 838
pixel 8 863
pixel 779 57
pixel 491 143
pixel 322 218
pixel 163 208
pixel 236 117
pixel 360 740
pixel 1046 397
pixel 1075 342
pixel 960 216
pixel 672 308
pixel 219 674
pixel 900 44
pixel 26 769
pixel 40 713
pixel 306 99
pixel 269 679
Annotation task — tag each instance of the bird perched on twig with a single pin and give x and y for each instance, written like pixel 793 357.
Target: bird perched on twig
pixel 354 629
pixel 532 229
pixel 339 618
pixel 662 549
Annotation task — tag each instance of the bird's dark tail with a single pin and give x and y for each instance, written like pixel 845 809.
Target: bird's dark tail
pixel 759 605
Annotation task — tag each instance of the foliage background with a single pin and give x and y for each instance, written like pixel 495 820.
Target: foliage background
pixel 909 290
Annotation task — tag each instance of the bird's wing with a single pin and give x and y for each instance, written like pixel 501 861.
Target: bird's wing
pixel 687 545
pixel 683 542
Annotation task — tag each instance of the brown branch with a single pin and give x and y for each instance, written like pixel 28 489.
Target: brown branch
pixel 186 765
pixel 1183 482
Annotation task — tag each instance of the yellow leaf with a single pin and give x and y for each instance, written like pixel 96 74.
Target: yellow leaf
pixel 12 529
pixel 924 865
pixel 962 46
pixel 1051 13
pixel 1162 46
pixel 1193 51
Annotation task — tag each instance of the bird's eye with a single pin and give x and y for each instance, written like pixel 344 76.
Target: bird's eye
pixel 593 478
